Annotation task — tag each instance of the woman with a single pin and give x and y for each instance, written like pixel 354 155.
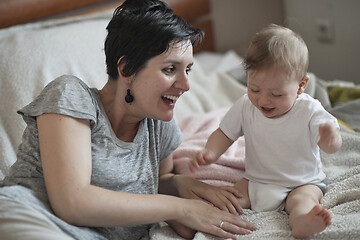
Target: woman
pixel 92 161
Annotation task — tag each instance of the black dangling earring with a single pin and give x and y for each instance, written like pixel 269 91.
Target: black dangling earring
pixel 129 98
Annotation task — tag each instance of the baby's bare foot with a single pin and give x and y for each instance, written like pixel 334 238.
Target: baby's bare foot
pixel 313 222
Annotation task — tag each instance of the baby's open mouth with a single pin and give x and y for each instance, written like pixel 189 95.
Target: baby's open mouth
pixel 267 110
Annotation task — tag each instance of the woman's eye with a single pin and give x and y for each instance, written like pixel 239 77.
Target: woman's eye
pixel 169 69
pixel 187 70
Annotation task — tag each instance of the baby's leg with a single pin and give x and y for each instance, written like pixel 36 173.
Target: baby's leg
pixel 242 186
pixel 306 215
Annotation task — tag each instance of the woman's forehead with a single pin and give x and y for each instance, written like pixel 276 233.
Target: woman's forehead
pixel 179 51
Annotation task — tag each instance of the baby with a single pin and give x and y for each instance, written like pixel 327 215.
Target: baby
pixel 283 129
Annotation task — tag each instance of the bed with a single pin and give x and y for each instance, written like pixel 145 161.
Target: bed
pixel 34 53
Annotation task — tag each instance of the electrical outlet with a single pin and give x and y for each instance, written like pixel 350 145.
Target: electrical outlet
pixel 324 30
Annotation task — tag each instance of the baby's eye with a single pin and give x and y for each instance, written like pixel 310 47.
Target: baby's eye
pixel 277 95
pixel 188 70
pixel 254 90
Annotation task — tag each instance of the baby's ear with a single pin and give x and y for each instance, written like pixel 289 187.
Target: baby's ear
pixel 302 84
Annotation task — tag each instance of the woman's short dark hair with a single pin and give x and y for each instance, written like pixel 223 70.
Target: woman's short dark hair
pixel 140 30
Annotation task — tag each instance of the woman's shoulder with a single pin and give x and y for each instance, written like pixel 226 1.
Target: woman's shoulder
pixel 67 81
pixel 65 86
pixel 64 95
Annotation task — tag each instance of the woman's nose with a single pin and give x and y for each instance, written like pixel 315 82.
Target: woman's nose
pixel 182 82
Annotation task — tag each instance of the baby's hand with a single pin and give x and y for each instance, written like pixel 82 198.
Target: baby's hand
pixel 203 157
pixel 327 133
pixel 330 139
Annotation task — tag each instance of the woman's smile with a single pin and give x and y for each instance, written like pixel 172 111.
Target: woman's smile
pixel 170 100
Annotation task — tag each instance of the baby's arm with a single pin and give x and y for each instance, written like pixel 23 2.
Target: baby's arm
pixel 330 138
pixel 216 145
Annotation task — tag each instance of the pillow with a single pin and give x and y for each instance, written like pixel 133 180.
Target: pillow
pixel 32 55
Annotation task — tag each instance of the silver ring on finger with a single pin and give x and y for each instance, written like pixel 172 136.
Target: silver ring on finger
pixel 221 224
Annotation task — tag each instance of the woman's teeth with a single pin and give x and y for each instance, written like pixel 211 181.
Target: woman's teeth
pixel 171 98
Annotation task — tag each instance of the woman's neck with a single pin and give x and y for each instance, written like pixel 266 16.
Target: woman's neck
pixel 123 124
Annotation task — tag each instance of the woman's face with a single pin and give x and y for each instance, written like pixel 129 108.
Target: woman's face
pixel 273 91
pixel 158 85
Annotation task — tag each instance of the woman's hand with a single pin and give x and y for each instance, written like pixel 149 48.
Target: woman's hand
pixel 209 209
pixel 225 198
pixel 207 218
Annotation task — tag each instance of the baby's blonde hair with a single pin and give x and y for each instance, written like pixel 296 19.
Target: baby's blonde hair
pixel 277 46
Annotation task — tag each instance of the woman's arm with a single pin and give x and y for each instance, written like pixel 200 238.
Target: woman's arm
pixel 65 148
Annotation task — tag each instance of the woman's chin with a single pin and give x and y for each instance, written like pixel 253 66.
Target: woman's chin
pixel 165 116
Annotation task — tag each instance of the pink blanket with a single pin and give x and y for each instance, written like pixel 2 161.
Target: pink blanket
pixel 196 129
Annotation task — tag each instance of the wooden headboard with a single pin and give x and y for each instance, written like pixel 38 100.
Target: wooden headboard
pixel 13 12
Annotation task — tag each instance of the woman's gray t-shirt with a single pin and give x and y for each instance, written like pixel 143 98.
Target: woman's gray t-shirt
pixel 116 165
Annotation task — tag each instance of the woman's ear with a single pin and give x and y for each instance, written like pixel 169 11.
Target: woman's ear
pixel 120 67
pixel 302 84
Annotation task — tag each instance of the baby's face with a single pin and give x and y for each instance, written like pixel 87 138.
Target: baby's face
pixel 273 91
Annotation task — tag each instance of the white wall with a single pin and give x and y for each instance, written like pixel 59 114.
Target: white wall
pixel 330 60
pixel 236 21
